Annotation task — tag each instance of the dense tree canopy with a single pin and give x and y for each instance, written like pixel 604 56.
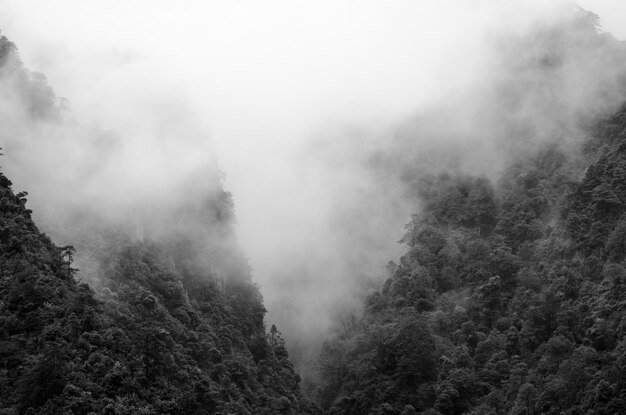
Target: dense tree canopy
pixel 509 299
pixel 175 327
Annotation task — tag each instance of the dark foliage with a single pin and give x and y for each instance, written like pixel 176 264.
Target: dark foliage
pixel 165 334
pixel 147 345
pixel 510 299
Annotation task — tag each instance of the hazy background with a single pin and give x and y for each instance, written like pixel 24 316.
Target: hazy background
pixel 308 107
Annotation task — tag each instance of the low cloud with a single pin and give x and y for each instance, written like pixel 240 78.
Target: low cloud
pixel 321 115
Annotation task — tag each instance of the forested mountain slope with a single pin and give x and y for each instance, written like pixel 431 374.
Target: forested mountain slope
pixel 176 326
pixel 511 296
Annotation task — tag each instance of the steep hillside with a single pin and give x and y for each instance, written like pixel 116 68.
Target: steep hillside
pixel 509 299
pixel 176 325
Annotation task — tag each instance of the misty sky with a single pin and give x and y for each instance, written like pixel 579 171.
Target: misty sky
pixel 263 83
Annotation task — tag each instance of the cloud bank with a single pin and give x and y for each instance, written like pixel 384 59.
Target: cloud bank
pixel 319 113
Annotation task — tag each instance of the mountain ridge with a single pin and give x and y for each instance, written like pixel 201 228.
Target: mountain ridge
pixel 175 324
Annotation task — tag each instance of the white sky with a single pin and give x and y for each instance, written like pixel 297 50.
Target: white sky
pixel 257 77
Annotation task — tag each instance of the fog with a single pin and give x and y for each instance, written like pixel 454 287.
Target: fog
pixel 319 114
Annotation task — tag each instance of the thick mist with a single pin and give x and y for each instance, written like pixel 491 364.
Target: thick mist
pixel 321 115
